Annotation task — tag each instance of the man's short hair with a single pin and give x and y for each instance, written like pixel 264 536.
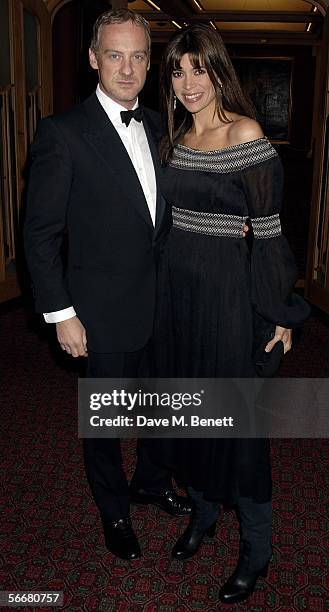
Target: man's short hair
pixel 118 16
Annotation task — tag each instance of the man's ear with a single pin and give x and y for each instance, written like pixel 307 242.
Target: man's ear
pixel 93 60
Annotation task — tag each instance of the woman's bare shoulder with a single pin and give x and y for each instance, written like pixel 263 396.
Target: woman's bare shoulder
pixel 244 129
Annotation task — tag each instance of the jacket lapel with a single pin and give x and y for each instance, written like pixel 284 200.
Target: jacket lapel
pixel 104 138
pixel 154 135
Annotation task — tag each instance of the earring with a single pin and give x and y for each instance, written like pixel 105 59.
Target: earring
pixel 175 103
pixel 220 86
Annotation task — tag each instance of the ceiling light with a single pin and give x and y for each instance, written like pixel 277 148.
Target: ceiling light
pixel 213 25
pixel 309 27
pixel 176 24
pixel 154 5
pixel 315 8
pixel 198 5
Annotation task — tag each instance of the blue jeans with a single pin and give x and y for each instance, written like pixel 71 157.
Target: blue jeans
pixel 255 525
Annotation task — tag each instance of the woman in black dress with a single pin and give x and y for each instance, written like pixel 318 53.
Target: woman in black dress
pixel 219 170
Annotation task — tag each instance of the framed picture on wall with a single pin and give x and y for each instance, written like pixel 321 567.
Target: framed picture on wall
pixel 268 83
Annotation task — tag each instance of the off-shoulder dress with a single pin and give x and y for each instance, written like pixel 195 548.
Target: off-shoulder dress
pixel 216 294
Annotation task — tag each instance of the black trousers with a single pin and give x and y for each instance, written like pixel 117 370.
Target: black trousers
pixel 102 457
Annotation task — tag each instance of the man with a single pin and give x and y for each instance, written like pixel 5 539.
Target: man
pixel 93 185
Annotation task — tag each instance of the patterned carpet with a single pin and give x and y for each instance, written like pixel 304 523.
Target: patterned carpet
pixel 51 535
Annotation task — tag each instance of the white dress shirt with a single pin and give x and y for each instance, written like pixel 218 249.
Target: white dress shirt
pixel 135 141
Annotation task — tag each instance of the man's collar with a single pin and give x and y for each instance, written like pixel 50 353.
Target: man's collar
pixel 112 108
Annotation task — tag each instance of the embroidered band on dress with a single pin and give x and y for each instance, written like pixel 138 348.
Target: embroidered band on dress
pixel 266 227
pixel 229 159
pixel 212 224
pixel 229 226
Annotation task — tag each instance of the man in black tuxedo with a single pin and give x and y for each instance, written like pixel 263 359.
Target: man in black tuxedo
pixel 94 186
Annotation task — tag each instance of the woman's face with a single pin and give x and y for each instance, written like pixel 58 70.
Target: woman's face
pixel 192 86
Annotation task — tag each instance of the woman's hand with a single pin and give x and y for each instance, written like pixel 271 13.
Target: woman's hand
pixel 281 333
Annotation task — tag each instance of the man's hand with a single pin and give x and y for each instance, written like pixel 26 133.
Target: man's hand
pixel 71 336
pixel 281 333
pixel 245 230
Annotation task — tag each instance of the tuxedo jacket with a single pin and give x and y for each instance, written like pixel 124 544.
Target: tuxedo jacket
pixel 89 238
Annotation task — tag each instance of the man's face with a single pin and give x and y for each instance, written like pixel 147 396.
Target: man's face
pixel 122 61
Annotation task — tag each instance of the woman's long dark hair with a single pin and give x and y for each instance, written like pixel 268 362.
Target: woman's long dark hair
pixel 204 45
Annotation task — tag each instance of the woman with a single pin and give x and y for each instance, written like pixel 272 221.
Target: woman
pixel 219 170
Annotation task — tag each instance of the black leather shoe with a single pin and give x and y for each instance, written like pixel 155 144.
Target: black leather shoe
pixel 121 540
pixel 189 542
pixel 242 582
pixel 168 501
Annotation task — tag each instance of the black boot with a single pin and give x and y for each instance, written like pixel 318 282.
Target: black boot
pixel 242 583
pixel 189 542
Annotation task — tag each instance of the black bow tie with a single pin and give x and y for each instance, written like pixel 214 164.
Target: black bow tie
pixel 128 115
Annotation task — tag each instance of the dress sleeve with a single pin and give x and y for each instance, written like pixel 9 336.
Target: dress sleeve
pixel 273 267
